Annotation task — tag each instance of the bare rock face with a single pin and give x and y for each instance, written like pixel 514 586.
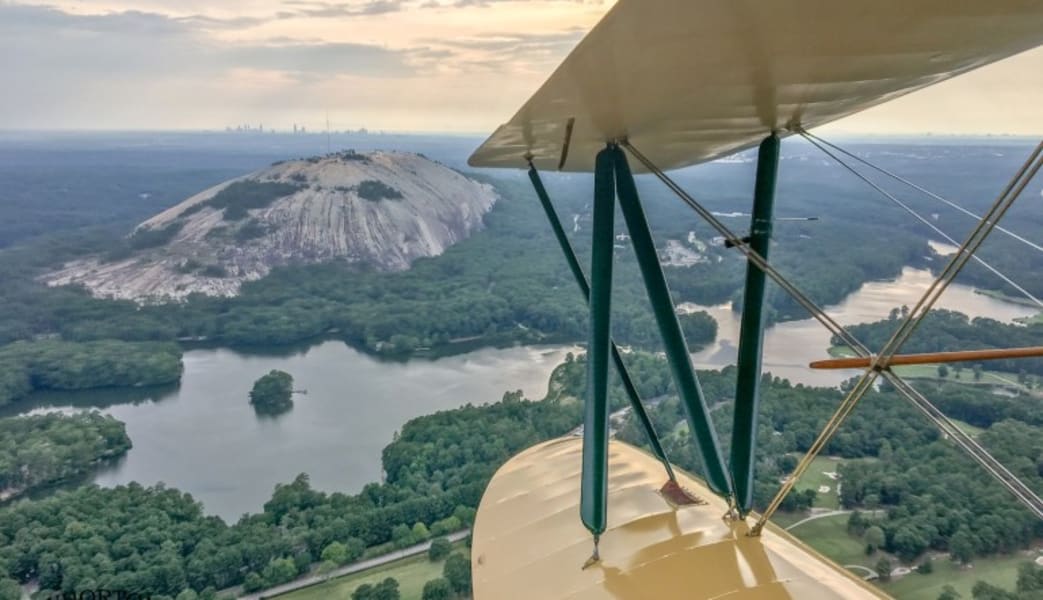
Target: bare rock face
pixel 383 209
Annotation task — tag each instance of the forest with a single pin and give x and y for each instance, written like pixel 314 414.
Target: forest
pixel 439 464
pixel 59 365
pixel 45 449
pixel 507 283
pixel 946 330
pixel 933 498
pixel 159 540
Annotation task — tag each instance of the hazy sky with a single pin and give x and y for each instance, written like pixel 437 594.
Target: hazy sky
pixel 402 65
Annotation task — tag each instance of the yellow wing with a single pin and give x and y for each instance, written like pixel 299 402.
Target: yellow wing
pixel 529 543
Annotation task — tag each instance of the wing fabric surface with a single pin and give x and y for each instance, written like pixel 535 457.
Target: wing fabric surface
pixel 688 81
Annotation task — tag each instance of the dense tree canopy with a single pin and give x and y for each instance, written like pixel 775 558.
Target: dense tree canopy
pixel 273 392
pixel 42 449
pixel 439 549
pixel 58 365
pixel 437 589
pixel 237 198
pixel 946 330
pixel 505 283
pixel 935 498
pixel 457 571
pixel 158 539
pixel 385 590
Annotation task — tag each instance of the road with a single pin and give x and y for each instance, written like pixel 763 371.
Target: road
pixel 821 515
pixel 309 580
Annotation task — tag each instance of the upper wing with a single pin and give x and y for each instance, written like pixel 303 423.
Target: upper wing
pixel 687 81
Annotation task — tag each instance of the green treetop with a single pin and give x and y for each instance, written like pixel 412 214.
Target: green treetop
pixel 273 393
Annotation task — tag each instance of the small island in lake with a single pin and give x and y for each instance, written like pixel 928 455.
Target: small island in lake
pixel 273 393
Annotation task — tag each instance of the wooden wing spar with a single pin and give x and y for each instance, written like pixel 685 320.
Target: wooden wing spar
pixel 688 81
pixel 931 358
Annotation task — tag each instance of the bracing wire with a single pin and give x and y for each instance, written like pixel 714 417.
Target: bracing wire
pixel 900 179
pixel 865 383
pixel 916 316
pixel 815 141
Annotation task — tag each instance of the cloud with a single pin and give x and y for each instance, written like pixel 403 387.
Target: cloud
pixel 341 9
pixel 43 39
pixel 534 52
pixel 521 43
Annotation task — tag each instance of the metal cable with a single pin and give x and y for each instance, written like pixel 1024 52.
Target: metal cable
pixel 915 317
pixel 736 241
pixel 916 187
pixel 866 381
pixel 968 444
pixel 918 216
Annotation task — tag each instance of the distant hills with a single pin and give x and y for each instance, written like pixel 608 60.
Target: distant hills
pixel 381 209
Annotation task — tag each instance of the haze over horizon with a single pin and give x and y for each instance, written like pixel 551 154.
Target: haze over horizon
pixel 421 66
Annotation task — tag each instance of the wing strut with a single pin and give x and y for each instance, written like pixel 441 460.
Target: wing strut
pixel 988 222
pixel 636 405
pixel 677 354
pixel 594 485
pixel 751 333
pixel 612 175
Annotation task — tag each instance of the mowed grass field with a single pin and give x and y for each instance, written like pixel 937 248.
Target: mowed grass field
pixel 1036 320
pixel 412 573
pixel 815 478
pixel 999 571
pixel 829 536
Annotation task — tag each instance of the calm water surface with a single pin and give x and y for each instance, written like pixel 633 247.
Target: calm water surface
pixel 790 346
pixel 203 437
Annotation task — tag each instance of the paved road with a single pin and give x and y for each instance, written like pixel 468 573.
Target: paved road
pixel 822 515
pixel 870 574
pixel 309 580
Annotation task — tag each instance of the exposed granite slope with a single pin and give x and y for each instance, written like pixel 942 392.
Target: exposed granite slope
pixel 383 209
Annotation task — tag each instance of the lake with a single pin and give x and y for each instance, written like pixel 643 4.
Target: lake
pixel 790 346
pixel 203 436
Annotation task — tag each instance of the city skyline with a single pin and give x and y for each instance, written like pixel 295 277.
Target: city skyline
pixel 423 66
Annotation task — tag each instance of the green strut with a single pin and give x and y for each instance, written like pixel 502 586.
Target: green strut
pixel 673 340
pixel 751 336
pixel 628 385
pixel 594 488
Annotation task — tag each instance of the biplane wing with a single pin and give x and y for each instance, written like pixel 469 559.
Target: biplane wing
pixel 673 83
pixel 529 545
pixel 690 81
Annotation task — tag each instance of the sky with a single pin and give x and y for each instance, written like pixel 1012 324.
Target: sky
pixel 448 66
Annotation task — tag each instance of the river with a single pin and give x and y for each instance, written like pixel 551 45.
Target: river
pixel 204 438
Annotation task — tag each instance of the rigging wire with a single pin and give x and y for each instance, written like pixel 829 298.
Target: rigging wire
pixel 865 383
pixel 815 142
pixel 958 435
pixel 899 178
pixel 968 444
pixel 916 316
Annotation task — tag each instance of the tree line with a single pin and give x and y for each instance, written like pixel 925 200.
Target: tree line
pixel 932 497
pixel 159 540
pixel 42 449
pixel 946 330
pixel 59 365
